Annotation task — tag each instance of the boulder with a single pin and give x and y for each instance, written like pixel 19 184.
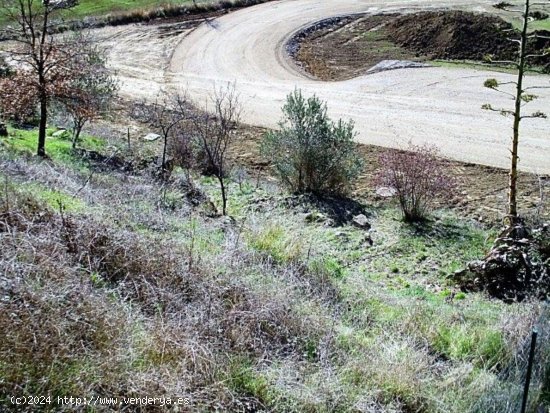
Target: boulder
pixel 385 65
pixel 361 221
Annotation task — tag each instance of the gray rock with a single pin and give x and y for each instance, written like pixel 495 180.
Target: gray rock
pixel 395 64
pixel 151 137
pixel 62 133
pixel 361 221
pixel 329 223
pixel 367 241
pixel 386 191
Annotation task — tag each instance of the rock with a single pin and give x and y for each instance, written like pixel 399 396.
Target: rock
pixel 342 236
pixel 395 64
pixel 151 137
pixel 229 221
pixel 367 241
pixel 361 221
pixel 386 191
pixel 329 223
pixel 3 130
pixel 65 4
pixel 60 134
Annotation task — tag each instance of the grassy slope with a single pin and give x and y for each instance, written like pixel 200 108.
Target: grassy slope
pixel 516 20
pixel 100 7
pixel 270 311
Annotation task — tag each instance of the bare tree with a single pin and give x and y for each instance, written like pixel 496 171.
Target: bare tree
pixel 91 88
pixel 166 116
pixel 520 97
pixel 215 134
pixel 46 60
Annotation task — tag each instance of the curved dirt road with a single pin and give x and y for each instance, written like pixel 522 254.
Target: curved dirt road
pixel 435 105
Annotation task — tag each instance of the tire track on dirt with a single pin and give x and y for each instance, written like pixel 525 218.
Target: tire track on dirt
pixel 429 105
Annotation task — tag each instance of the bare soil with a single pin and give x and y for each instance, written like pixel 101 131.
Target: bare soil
pixel 340 49
pixel 481 190
pixel 453 35
pixel 348 47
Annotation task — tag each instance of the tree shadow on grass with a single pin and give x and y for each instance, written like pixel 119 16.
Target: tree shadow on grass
pixel 341 210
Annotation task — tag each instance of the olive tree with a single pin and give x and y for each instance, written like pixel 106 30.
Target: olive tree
pixel 310 152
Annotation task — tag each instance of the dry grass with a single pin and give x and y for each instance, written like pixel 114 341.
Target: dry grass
pixel 93 308
pixel 132 289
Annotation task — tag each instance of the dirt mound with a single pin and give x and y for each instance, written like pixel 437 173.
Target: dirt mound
pixel 453 35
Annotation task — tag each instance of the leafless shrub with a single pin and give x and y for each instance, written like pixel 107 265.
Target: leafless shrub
pixel 166 116
pixel 215 134
pixel 418 176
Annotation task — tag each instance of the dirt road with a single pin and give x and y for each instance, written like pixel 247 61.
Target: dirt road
pixel 434 105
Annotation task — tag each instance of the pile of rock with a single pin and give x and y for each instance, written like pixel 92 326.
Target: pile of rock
pixel 517 267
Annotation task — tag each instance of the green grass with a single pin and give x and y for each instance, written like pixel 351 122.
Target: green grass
pixel 465 64
pixel 276 243
pixel 517 22
pixel 22 142
pixel 55 199
pixel 87 8
pixel 96 8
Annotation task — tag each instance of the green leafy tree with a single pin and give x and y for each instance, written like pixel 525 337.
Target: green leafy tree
pixel 310 152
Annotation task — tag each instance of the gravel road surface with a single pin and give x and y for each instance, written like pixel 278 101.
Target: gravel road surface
pixel 423 105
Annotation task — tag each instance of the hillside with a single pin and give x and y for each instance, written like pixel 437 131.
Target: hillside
pixel 121 285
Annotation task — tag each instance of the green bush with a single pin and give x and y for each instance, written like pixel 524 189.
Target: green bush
pixel 310 152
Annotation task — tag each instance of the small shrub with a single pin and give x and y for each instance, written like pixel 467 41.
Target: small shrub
pixel 310 152
pixel 502 5
pixel 418 177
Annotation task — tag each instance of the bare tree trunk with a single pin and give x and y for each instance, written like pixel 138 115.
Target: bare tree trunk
pixel 164 150
pixel 42 126
pixel 224 194
pixel 512 193
pixel 76 134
